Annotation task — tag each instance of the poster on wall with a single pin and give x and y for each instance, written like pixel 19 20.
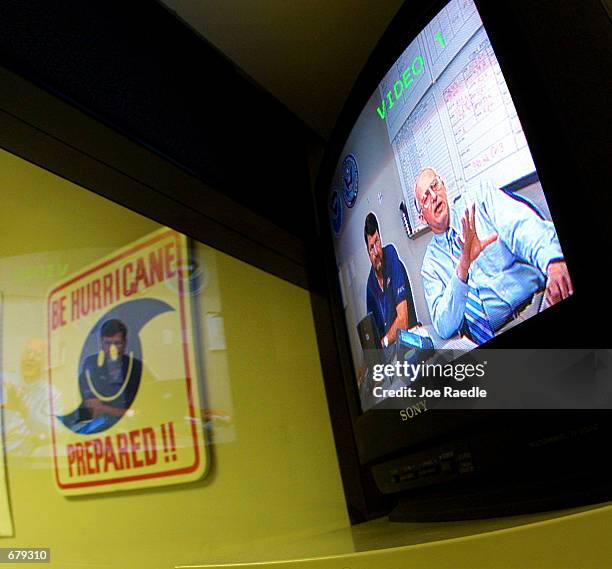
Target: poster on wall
pixel 122 364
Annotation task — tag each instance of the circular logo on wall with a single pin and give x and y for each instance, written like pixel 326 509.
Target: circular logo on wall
pixel 197 275
pixel 335 210
pixel 350 180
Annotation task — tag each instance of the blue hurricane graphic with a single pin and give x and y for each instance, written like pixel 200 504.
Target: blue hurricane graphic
pixel 110 366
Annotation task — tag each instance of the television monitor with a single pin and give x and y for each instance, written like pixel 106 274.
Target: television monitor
pixel 458 243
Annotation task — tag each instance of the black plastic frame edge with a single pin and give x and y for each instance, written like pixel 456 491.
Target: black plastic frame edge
pixel 51 134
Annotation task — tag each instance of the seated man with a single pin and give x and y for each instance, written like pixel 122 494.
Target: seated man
pixel 485 260
pixel 110 379
pixel 108 382
pixel 388 294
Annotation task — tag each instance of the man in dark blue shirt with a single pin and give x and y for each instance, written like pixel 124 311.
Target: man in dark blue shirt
pixel 388 294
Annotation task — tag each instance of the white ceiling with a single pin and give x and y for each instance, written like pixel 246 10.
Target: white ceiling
pixel 307 53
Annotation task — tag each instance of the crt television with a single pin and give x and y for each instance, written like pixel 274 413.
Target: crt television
pixel 458 204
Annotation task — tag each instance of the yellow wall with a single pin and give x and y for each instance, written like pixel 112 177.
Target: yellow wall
pixel 274 476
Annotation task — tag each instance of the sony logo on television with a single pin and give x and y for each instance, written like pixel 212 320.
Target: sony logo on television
pixel 413 410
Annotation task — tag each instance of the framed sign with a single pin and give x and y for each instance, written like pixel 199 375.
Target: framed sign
pixel 121 361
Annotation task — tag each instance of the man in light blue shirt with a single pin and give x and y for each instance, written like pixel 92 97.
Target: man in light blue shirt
pixel 488 256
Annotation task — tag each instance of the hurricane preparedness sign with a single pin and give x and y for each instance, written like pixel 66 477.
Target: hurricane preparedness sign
pixel 121 357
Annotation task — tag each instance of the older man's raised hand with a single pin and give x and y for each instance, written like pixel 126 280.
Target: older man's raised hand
pixel 471 244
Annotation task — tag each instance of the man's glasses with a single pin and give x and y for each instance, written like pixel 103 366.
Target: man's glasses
pixel 434 188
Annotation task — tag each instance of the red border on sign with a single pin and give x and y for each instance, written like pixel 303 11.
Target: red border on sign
pixel 189 381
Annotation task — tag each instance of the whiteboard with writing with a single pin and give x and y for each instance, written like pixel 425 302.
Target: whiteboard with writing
pixel 460 118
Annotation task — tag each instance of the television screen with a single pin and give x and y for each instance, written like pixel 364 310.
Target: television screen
pixel 443 235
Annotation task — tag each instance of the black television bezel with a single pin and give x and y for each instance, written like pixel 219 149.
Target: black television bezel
pixel 554 136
